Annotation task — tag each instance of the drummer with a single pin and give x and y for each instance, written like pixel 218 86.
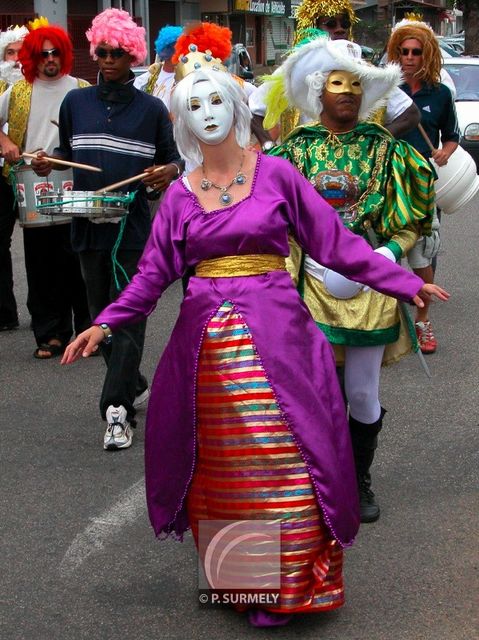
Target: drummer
pixel 125 132
pixel 414 46
pixel 56 291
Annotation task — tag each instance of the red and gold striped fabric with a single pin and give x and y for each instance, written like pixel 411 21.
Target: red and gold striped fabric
pixel 249 466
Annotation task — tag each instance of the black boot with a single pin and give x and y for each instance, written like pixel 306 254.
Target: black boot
pixel 364 438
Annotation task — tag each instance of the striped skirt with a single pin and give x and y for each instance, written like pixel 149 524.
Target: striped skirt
pixel 249 467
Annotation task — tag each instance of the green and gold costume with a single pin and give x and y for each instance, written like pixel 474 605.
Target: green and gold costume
pixel 383 190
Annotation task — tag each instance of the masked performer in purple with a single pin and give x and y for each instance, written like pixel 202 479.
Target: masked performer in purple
pixel 253 427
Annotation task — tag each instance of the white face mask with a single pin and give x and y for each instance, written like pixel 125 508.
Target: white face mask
pixel 208 116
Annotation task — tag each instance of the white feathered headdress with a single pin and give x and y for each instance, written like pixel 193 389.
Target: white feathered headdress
pixel 305 71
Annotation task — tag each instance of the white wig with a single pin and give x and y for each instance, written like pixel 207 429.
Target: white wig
pixel 234 99
pixel 13 34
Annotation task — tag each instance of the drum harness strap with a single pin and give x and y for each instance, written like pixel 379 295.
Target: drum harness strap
pixel 12 178
pixel 116 265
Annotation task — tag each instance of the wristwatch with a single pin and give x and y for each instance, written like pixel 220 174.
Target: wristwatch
pixel 107 331
pixel 266 146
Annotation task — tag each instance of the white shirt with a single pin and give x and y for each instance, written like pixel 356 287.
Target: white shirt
pixel 47 96
pixel 163 85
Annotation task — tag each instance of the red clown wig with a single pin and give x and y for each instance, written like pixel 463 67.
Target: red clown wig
pixel 30 53
pixel 205 35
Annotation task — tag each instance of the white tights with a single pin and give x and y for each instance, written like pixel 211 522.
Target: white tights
pixel 362 369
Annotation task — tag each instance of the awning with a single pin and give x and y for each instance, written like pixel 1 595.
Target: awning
pixel 414 4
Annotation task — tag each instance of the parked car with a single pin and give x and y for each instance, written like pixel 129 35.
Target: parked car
pixel 452 49
pixel 457 42
pixel 368 53
pixel 465 75
pixel 239 63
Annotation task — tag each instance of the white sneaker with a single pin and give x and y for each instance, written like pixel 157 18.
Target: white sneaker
pixel 118 434
pixel 140 399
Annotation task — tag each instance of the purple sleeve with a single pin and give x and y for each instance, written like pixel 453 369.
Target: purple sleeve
pixel 161 264
pixel 319 230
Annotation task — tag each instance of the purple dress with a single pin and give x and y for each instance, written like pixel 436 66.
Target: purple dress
pixel 296 356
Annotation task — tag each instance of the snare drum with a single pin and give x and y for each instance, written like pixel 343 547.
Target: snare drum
pixel 85 204
pixel 31 188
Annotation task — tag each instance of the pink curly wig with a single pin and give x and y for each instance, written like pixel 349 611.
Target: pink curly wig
pixel 118 29
pixel 29 55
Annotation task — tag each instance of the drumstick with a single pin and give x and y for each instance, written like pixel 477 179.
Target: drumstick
pixel 122 183
pixel 426 137
pixel 66 163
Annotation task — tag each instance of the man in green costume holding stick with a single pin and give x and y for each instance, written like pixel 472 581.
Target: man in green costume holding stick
pixel 381 188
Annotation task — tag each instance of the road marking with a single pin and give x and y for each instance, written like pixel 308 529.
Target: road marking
pixel 93 539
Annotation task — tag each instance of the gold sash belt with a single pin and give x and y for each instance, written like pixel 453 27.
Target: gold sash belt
pixel 233 266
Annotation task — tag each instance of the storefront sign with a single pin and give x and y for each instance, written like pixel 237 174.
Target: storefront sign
pixel 295 4
pixel 264 7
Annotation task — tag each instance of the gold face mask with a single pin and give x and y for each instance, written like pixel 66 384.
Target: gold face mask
pixel 343 82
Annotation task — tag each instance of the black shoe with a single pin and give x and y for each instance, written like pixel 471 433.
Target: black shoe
pixel 368 507
pixel 9 326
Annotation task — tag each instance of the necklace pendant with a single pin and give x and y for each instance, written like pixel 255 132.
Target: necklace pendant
pixel 240 178
pixel 206 184
pixel 225 198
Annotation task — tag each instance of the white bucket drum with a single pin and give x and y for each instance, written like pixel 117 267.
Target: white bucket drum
pixel 85 204
pixel 30 188
pixel 457 181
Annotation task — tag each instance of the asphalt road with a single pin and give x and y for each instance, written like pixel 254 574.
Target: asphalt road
pixel 78 557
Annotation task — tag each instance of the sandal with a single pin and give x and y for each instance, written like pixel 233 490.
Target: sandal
pixel 51 351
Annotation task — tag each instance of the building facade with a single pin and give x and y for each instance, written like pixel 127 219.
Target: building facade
pixel 76 16
pixel 265 27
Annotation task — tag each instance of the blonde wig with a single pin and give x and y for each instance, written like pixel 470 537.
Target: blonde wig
pixel 430 72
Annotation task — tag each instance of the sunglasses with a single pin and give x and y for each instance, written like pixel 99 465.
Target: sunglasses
pixel 344 23
pixel 55 53
pixel 116 54
pixel 414 52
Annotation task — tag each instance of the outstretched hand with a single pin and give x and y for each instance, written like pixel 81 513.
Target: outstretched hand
pixel 427 292
pixel 84 345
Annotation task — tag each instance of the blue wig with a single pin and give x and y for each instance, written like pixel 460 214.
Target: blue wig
pixel 166 40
